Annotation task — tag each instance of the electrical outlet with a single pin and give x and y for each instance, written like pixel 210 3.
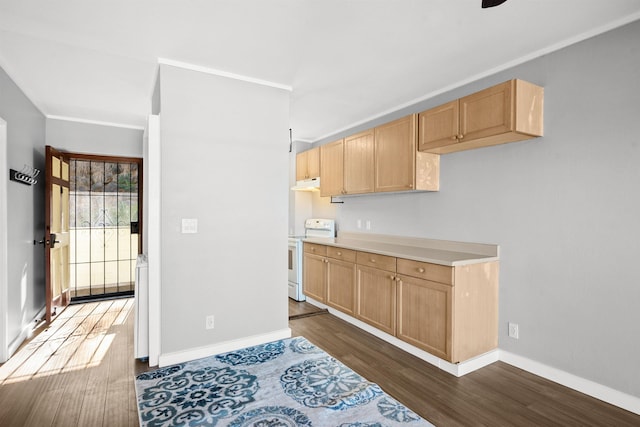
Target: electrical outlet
pixel 209 321
pixel 513 330
pixel 368 224
pixel 359 223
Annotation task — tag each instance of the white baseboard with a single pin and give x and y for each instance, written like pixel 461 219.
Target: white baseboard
pixel 25 333
pixel 167 359
pixel 457 369
pixel 588 387
pixel 591 388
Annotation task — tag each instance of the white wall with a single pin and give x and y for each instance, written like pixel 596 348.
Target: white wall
pixel 4 249
pixel 89 138
pixel 25 126
pixel 563 208
pixel 224 146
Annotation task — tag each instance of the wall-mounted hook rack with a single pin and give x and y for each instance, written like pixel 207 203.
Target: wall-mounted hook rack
pixel 26 176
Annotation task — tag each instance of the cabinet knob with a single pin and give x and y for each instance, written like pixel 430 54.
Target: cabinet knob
pixel 326 260
pixel 313 249
pixel 392 277
pixel 460 136
pixel 410 186
pixel 339 253
pixel 421 270
pixel 372 260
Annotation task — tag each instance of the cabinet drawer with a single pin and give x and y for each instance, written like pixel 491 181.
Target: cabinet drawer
pixel 340 253
pixel 425 270
pixel 382 262
pixel 312 248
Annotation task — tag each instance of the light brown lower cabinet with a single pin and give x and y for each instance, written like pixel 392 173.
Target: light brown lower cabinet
pixel 424 315
pixel 341 285
pixel 330 276
pixel 450 312
pixel 314 280
pixel 376 298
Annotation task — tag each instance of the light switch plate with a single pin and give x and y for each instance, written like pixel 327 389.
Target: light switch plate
pixel 189 225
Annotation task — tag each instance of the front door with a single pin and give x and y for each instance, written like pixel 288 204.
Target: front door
pixel 56 238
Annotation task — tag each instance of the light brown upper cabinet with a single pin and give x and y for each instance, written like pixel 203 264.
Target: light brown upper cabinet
pixel 382 159
pixel 346 166
pixel 359 163
pixel 308 164
pixel 332 169
pixel 398 167
pixel 508 112
pixel 395 155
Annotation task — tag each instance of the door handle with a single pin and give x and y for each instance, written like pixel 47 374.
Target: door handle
pixel 51 243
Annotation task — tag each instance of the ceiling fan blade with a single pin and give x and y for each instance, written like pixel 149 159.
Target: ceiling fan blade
pixel 491 3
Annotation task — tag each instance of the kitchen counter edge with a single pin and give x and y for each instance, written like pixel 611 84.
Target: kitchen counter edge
pixel 451 258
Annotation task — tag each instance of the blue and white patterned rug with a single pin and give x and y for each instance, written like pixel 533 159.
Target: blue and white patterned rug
pixel 279 384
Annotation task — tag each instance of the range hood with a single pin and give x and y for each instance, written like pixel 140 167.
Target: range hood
pixel 312 184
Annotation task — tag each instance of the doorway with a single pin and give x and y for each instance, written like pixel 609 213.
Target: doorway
pixel 105 204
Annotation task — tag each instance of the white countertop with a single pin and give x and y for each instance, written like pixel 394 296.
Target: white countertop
pixel 441 252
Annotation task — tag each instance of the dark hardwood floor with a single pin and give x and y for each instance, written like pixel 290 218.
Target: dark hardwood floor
pixel 497 395
pixel 79 371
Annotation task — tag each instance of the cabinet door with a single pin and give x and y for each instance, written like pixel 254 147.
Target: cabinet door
pixel 439 126
pixel 313 162
pixel 395 155
pixel 341 285
pixel 315 277
pixel 301 165
pixel 358 163
pixel 331 169
pixel 486 113
pixel 376 298
pixel 424 315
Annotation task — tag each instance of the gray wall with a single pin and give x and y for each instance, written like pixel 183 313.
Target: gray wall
pixel 564 209
pixel 28 131
pixel 224 149
pixel 25 145
pixel 91 138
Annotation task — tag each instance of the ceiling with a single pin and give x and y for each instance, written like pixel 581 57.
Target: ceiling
pixel 346 61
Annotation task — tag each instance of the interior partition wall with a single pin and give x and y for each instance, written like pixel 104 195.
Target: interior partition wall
pixel 4 253
pixel 104 224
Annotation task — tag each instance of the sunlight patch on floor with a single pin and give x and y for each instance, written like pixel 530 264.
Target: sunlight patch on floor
pixel 78 338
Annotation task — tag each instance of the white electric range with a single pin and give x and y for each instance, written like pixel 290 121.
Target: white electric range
pixel 312 228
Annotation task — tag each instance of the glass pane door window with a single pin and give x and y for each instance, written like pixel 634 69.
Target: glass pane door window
pixel 104 200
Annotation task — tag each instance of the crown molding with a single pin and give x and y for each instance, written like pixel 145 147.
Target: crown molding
pixel 521 60
pixel 93 122
pixel 221 73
